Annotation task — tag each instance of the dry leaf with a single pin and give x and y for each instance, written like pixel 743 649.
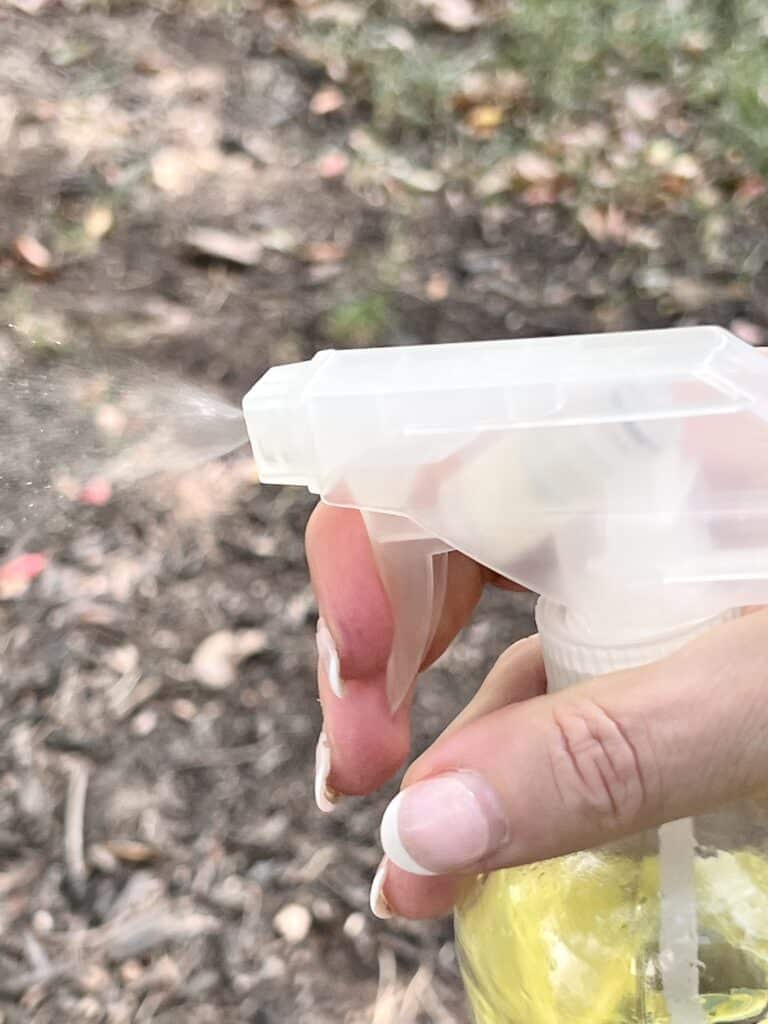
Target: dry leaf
pixel 29 6
pixel 185 710
pixel 660 153
pixel 399 38
pixel 9 111
pixel 438 286
pixel 509 85
pixel 488 87
pixel 97 492
pixel 590 136
pixel 593 222
pixel 174 171
pixel 362 142
pixel 604 225
pixel 280 240
pixel 322 252
pixel 420 179
pixel 333 164
pixel 243 250
pixel 602 176
pixel 33 253
pixel 326 100
pixel 696 42
pixel 132 851
pixel 535 168
pixel 615 224
pixel 216 659
pixel 457 15
pixel 645 102
pixel 644 237
pixel 336 12
pixel 543 194
pixel 263 148
pixel 685 167
pixel 98 222
pixel 749 188
pixel 321 273
pixel 690 294
pixel 17 574
pixel 485 119
pixel 496 179
pixel 151 62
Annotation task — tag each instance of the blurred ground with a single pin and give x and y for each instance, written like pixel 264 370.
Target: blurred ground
pixel 217 186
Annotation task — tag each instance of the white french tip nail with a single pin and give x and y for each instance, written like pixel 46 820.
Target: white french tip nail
pixel 329 658
pixel 393 845
pixel 325 797
pixel 379 906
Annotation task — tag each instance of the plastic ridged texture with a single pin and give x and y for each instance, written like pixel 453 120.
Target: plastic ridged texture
pixel 569 657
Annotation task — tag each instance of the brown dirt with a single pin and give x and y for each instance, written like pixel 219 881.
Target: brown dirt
pixel 198 821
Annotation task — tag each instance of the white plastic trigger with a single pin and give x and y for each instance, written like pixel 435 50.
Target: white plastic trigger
pixel 413 568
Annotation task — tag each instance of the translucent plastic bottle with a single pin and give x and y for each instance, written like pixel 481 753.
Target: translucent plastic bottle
pixel 668 926
pixel 625 479
pixel 578 939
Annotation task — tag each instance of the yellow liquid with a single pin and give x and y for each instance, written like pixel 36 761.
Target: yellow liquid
pixel 575 941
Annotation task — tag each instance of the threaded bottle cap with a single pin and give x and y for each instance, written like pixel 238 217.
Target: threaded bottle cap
pixel 570 658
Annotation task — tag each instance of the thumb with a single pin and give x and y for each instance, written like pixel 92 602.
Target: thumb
pixel 601 760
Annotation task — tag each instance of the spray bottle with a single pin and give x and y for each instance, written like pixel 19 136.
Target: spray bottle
pixel 624 478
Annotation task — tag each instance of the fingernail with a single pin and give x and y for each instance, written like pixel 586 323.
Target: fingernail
pixel 379 906
pixel 328 657
pixel 444 824
pixel 326 797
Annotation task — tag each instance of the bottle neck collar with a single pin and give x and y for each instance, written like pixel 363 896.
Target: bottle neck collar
pixel 570 658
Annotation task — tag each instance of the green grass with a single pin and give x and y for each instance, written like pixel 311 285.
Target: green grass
pixel 406 80
pixel 574 52
pixel 187 8
pixel 711 55
pixel 361 320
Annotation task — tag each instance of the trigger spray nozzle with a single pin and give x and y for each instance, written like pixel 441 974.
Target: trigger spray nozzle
pixel 623 477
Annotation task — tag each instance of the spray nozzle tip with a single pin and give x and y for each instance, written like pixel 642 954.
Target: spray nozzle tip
pixel 278 427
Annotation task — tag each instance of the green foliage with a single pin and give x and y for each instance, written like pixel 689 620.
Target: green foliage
pixel 407 79
pixel 735 89
pixel 410 89
pixel 358 321
pixel 187 8
pixel 711 54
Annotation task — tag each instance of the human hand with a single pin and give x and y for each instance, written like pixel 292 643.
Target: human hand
pixel 520 775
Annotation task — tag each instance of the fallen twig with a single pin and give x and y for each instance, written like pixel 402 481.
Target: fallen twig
pixel 74 825
pixel 12 988
pixel 385 1007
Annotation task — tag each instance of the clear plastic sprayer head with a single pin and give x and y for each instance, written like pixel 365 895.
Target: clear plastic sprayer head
pixel 277 417
pixel 624 476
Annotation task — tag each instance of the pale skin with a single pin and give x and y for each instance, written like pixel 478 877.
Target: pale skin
pixel 569 771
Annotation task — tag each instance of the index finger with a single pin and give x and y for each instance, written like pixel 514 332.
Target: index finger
pixel 368 743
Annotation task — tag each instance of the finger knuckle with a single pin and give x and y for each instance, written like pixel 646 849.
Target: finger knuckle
pixel 505 660
pixel 597 765
pixel 510 656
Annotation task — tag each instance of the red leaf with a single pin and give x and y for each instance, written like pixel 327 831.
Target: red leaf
pixel 17 574
pixel 96 492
